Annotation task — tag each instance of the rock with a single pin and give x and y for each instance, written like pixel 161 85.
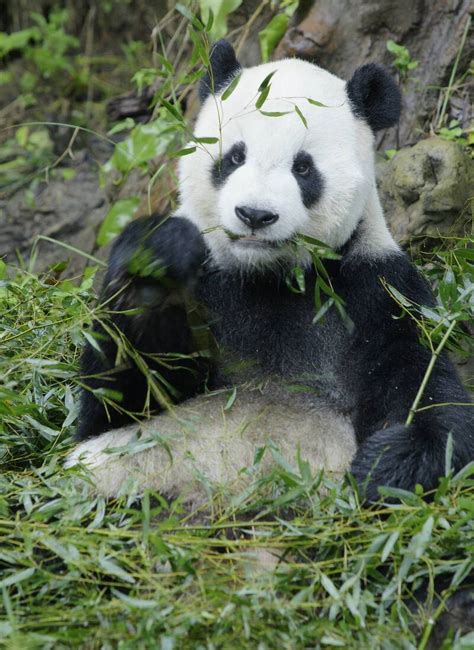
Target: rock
pixel 69 211
pixel 340 35
pixel 425 189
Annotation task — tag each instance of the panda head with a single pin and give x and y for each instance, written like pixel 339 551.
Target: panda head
pixel 301 162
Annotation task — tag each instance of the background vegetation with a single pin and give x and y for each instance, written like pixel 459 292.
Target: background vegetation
pixel 77 571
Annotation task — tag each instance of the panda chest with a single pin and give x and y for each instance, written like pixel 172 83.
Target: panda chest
pixel 262 332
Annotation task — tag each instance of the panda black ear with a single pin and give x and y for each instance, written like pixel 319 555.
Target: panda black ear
pixel 224 66
pixel 374 96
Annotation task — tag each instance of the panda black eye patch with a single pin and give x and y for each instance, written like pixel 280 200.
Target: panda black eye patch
pixel 308 177
pixel 230 161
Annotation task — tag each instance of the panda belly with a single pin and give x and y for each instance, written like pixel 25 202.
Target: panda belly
pixel 204 445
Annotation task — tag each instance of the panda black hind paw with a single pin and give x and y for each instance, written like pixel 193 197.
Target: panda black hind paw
pixel 397 457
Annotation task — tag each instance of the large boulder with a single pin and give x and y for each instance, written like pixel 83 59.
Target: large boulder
pixel 425 189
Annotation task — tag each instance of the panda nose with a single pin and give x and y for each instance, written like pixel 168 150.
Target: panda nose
pixel 255 218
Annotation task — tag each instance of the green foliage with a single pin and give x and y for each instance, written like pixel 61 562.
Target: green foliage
pixel 49 54
pixel 168 132
pixel 143 78
pixel 452 132
pixel 22 155
pixel 271 35
pixel 40 331
pixel 440 327
pixel 145 142
pixel 48 72
pixel 5 77
pixel 402 59
pixel 17 41
pixel 324 295
pixel 136 54
pixel 231 87
pixel 450 266
pixel 455 133
pixel 117 218
pixel 46 44
pixel 217 11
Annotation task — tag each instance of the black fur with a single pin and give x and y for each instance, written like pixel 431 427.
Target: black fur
pixel 371 373
pixel 374 96
pixel 223 67
pixel 153 266
pixel 311 184
pixel 387 366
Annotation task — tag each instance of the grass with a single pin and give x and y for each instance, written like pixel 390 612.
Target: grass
pixel 77 571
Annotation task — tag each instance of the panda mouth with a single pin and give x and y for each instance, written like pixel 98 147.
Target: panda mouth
pixel 252 241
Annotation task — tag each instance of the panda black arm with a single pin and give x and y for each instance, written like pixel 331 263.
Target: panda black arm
pixel 152 269
pixel 389 366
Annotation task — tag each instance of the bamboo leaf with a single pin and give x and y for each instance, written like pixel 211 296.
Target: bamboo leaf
pixel 119 215
pixel 183 152
pixel 275 113
pixel 221 9
pixel 266 82
pixel 231 399
pixel 272 34
pixel 110 567
pixel 262 97
pixel 206 140
pixel 314 102
pixel 17 577
pixel 231 87
pixel 175 112
pixel 301 116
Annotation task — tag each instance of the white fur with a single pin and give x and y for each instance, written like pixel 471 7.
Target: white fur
pixel 202 449
pixel 341 147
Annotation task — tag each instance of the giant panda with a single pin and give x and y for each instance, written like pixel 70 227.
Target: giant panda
pixel 204 302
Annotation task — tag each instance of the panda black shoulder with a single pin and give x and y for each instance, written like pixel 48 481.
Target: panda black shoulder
pixel 365 283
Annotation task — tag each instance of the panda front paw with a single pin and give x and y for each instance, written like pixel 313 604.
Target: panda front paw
pixel 158 251
pixel 398 457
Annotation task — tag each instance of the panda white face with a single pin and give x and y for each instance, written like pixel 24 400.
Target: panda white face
pixel 269 178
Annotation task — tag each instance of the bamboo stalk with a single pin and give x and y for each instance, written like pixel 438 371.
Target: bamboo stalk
pixel 434 357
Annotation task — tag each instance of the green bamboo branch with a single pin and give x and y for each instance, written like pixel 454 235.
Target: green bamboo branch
pixel 434 357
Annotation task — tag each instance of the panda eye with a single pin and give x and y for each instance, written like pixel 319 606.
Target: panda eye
pixel 238 158
pixel 302 169
pixel 303 164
